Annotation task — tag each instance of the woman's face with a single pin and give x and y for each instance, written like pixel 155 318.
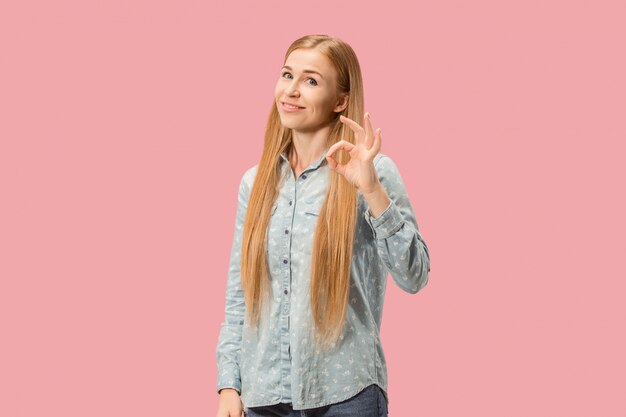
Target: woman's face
pixel 315 93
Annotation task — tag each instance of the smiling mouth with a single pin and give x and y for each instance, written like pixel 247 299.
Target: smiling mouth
pixel 289 107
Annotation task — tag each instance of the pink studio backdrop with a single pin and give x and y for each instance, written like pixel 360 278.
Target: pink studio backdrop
pixel 125 128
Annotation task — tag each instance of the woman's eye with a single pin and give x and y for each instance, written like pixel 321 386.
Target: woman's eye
pixel 313 79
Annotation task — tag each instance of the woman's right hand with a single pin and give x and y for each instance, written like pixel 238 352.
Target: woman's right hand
pixel 230 404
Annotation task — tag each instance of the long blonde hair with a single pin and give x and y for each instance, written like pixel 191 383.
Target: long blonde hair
pixel 334 233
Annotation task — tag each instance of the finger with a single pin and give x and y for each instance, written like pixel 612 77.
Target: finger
pixel 369 130
pixel 342 144
pixel 332 163
pixel 377 143
pixel 352 125
pixel 341 169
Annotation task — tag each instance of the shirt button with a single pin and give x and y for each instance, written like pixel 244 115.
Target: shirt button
pixel 284 261
pixel 290 203
pixel 286 291
pixel 286 231
pixel 304 176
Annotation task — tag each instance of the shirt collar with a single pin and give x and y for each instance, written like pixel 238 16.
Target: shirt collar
pixel 313 165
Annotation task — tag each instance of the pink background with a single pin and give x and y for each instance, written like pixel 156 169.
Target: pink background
pixel 125 128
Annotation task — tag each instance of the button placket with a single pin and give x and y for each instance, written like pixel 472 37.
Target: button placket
pixel 285 356
pixel 290 219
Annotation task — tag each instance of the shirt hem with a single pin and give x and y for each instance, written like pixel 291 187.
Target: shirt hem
pixel 308 406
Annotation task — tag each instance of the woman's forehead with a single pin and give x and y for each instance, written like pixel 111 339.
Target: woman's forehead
pixel 308 59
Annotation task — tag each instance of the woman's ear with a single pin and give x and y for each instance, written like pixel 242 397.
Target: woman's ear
pixel 342 103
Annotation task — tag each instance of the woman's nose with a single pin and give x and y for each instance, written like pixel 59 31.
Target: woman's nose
pixel 292 89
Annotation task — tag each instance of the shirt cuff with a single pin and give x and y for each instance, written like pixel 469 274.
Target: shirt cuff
pixel 229 380
pixel 235 388
pixel 387 224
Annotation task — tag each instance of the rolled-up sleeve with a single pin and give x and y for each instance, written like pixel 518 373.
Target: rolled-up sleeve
pixel 229 340
pixel 399 242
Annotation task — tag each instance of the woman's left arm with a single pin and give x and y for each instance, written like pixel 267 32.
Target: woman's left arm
pixel 398 240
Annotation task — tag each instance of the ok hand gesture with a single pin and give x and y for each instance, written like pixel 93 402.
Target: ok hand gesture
pixel 359 171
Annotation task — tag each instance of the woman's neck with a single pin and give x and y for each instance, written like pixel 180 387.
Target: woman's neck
pixel 307 147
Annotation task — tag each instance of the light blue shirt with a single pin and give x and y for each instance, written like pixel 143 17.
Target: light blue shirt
pixel 280 363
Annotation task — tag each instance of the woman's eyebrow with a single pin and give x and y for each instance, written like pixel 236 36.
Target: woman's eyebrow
pixel 306 70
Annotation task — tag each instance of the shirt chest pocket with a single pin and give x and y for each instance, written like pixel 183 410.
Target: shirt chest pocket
pixel 310 216
pixel 272 223
pixel 270 239
pixel 304 229
pixel 312 209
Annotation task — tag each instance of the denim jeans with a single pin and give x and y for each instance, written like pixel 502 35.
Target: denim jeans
pixel 370 402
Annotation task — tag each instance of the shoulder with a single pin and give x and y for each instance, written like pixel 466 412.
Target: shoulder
pixel 247 178
pixel 250 174
pixel 379 157
pixel 385 166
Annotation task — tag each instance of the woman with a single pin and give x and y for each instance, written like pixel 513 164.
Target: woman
pixel 321 220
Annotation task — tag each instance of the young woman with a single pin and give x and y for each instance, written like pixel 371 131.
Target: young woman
pixel 321 220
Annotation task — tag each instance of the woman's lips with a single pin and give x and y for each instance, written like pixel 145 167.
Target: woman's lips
pixel 290 109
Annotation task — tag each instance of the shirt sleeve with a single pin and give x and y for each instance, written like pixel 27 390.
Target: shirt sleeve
pixel 399 242
pixel 230 336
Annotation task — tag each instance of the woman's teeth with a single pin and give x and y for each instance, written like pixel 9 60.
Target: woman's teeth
pixel 289 106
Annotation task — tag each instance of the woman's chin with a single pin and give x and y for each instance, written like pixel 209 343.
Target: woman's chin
pixel 288 124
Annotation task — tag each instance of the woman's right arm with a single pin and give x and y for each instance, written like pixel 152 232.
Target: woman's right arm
pixel 229 340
